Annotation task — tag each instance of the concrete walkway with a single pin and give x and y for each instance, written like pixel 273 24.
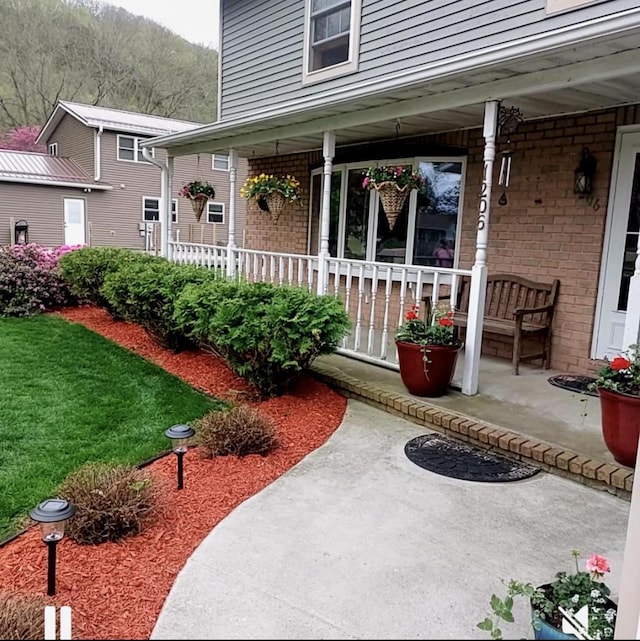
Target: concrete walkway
pixel 357 542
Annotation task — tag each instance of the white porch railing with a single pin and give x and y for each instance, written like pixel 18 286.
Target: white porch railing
pixel 375 295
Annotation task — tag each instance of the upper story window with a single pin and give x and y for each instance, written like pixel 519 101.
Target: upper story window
pixel 53 149
pixel 332 38
pixel 220 162
pixel 129 149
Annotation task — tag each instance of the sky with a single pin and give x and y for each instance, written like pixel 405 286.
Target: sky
pixel 194 20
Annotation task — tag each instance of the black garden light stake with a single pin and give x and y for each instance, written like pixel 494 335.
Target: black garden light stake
pixel 52 515
pixel 180 436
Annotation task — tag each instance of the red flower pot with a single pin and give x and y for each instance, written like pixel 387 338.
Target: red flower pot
pixel 620 424
pixel 430 377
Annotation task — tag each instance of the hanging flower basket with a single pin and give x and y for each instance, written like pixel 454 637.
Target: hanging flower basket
pixel 392 198
pixel 198 204
pixel 275 202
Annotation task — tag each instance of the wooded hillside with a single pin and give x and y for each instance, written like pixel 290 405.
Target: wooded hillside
pixel 83 51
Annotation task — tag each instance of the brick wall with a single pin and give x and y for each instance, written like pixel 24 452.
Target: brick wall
pixel 543 232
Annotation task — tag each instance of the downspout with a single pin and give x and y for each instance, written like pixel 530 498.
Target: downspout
pixel 166 170
pixel 97 147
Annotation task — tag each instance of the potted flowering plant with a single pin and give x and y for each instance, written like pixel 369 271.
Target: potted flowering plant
pixel 271 192
pixel 618 386
pixel 573 606
pixel 427 350
pixel 199 192
pixel 393 185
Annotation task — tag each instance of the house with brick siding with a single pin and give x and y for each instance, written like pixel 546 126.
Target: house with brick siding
pixel 523 117
pixel 95 186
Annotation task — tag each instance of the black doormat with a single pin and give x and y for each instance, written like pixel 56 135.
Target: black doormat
pixel 458 460
pixel 573 383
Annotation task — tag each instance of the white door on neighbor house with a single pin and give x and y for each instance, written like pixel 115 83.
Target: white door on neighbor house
pixel 74 223
pixel 621 245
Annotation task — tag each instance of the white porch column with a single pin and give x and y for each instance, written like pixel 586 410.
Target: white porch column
pixel 477 293
pixel 328 151
pixel 628 618
pixel 231 243
pixel 165 214
pixel 632 318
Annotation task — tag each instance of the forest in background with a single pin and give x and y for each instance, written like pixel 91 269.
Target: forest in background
pixel 85 51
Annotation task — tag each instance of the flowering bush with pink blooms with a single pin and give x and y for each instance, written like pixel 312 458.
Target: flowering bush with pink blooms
pixel 30 279
pixel 562 599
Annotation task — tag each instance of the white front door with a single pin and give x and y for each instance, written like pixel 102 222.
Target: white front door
pixel 74 225
pixel 621 243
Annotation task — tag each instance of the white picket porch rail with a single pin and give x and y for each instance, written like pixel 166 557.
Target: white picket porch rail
pixel 375 295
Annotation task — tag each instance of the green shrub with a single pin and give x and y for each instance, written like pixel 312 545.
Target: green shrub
pixel 268 334
pixel 146 294
pixel 85 270
pixel 240 430
pixel 112 502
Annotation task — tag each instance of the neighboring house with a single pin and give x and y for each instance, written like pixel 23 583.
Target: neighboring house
pixel 95 186
pixel 313 87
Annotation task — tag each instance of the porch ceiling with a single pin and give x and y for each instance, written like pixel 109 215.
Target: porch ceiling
pixel 595 75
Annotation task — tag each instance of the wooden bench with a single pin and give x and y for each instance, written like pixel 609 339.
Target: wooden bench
pixel 516 307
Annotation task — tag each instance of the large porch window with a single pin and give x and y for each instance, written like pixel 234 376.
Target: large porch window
pixel 426 232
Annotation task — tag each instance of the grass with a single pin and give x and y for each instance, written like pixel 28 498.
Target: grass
pixel 69 396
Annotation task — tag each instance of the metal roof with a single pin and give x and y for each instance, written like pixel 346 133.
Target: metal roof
pixel 115 120
pixel 44 169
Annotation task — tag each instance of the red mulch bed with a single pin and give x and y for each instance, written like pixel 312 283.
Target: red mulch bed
pixel 116 590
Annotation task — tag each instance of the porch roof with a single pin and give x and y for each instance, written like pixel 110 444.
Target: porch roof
pixel 595 71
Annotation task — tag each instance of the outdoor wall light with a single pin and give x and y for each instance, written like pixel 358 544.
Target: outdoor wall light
pixel 180 436
pixel 52 515
pixel 21 232
pixel 584 173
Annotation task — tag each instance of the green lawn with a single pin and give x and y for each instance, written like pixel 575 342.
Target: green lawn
pixel 68 396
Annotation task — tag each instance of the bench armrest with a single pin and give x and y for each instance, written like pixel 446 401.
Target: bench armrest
pixel 522 311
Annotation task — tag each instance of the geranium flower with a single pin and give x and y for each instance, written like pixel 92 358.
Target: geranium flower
pixel 620 362
pixel 597 565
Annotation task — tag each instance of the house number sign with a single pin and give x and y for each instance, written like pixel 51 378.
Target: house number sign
pixel 484 201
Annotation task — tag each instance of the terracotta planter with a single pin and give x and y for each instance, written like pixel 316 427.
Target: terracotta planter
pixel 620 425
pixel 431 377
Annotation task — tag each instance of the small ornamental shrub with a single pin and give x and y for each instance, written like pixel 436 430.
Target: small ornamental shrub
pixel 146 294
pixel 30 279
pixel 266 333
pixel 21 616
pixel 239 431
pixel 112 502
pixel 86 269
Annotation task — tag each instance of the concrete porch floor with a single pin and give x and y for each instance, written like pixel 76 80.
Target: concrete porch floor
pixel 522 417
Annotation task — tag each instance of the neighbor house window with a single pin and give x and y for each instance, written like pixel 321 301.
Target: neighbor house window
pixel 220 162
pixel 53 149
pixel 129 149
pixel 215 213
pixel 332 38
pixel 151 210
pixel 427 231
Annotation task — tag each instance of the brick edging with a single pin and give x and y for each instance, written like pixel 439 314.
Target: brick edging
pixel 547 456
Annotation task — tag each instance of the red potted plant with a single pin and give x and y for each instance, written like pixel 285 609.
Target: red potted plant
pixel 427 350
pixel 618 386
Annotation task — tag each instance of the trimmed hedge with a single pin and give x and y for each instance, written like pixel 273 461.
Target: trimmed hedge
pixel 267 334
pixel 145 293
pixel 86 269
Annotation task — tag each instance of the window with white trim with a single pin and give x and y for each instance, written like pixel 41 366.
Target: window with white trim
pixel 53 149
pixel 129 149
pixel 220 162
pixel 331 38
pixel 427 231
pixel 151 210
pixel 215 213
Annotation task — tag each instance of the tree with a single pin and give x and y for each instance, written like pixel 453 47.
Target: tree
pixel 22 139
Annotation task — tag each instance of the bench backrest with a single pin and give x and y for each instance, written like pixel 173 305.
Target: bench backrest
pixel 506 293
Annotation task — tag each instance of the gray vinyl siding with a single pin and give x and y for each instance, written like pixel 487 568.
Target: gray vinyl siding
pixel 115 220
pixel 41 206
pixel 262 41
pixel 75 141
